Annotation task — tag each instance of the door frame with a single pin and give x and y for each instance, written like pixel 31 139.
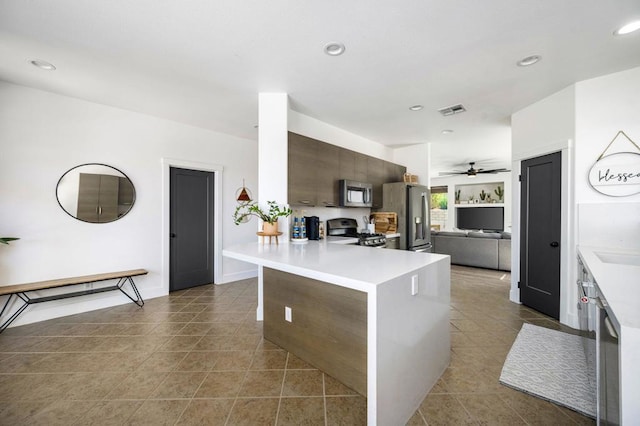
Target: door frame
pixel 568 252
pixel 217 170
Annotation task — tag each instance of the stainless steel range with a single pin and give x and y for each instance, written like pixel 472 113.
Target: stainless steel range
pixel 348 228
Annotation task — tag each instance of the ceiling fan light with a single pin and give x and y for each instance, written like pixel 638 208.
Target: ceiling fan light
pixel 471 176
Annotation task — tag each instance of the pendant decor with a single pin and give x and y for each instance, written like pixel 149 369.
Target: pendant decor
pixel 617 174
pixel 243 194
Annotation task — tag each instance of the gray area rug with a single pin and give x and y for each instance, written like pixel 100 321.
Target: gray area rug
pixel 555 366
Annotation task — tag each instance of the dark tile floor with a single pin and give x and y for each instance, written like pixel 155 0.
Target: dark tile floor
pixel 197 357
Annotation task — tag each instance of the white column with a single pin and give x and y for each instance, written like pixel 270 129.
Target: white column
pixel 273 111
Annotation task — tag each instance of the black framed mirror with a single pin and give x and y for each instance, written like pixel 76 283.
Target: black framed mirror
pixel 95 193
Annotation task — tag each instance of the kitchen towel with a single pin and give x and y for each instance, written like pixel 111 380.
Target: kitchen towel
pixel 553 365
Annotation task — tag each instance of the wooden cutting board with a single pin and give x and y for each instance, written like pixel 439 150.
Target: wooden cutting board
pixel 386 222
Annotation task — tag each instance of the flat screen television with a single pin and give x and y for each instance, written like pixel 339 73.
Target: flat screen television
pixel 485 218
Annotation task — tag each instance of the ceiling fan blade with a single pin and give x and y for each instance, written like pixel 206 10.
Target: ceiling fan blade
pixel 451 173
pixel 493 170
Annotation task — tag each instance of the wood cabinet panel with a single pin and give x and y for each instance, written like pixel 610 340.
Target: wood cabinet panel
pixel 360 173
pixel 393 172
pixel 328 328
pixel 376 177
pixel 347 164
pixel 327 174
pixel 303 153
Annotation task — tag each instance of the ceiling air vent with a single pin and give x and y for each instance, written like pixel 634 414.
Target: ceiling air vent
pixel 453 109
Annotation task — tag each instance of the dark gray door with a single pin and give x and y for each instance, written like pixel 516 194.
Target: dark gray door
pixel 191 218
pixel 540 234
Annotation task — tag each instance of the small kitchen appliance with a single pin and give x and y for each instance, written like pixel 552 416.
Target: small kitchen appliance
pixel 313 227
pixel 348 228
pixel 355 194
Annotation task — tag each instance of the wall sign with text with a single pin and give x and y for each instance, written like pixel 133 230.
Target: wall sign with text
pixel 618 174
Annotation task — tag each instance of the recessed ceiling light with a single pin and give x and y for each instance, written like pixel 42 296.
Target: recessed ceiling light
pixel 416 107
pixel 334 49
pixel 447 131
pixel 43 65
pixel 629 28
pixel 529 60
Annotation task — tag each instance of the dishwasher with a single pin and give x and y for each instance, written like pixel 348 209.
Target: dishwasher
pixel 608 366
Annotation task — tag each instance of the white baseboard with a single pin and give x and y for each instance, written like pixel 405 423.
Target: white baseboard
pixel 237 276
pixel 514 295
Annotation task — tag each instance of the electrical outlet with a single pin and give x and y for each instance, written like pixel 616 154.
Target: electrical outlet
pixel 287 314
pixel 414 285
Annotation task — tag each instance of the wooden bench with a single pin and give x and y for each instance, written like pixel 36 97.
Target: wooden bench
pixel 20 291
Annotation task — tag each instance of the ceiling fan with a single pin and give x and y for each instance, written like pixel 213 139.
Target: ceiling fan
pixel 472 172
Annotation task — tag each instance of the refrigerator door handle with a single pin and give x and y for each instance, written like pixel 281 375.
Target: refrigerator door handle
pixel 425 213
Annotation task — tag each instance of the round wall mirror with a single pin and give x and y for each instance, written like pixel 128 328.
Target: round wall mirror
pixel 95 193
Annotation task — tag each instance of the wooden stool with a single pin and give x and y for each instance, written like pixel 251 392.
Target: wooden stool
pixel 264 234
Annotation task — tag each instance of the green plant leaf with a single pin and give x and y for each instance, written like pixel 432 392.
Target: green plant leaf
pixel 253 209
pixel 5 240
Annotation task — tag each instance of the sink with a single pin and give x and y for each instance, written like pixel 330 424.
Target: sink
pixel 619 258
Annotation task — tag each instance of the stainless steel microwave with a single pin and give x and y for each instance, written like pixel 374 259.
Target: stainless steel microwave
pixel 355 194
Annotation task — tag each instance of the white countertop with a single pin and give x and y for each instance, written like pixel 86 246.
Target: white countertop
pixel 619 283
pixel 356 267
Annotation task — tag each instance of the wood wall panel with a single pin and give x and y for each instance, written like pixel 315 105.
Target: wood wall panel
pixel 329 327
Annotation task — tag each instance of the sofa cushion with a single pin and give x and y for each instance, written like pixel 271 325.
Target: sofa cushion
pixel 504 254
pixel 493 235
pixel 478 252
pixel 452 234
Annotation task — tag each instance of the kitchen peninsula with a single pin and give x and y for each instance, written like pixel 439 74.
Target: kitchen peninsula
pixel 375 319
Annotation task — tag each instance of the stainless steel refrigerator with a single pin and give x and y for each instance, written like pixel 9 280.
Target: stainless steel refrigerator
pixel 411 203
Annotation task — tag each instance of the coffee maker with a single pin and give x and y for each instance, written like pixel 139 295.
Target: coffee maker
pixel 313 227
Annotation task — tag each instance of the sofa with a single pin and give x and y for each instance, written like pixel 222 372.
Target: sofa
pixel 490 250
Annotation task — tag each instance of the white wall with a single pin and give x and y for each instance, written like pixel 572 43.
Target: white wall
pixel 544 127
pixel 416 159
pixel 42 135
pixel 605 106
pixel 316 129
pixel 580 121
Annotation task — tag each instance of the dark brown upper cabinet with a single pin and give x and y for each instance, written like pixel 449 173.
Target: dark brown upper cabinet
pixel 315 169
pixel 327 175
pixel 302 181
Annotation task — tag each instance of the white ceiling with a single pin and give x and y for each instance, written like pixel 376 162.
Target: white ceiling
pixel 203 62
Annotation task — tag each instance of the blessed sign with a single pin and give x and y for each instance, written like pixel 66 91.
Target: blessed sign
pixel 617 174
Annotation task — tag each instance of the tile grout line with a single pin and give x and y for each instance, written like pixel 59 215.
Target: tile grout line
pixel 324 397
pixel 284 377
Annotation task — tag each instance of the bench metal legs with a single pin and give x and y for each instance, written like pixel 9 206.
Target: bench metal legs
pixel 31 300
pixel 138 300
pixel 15 314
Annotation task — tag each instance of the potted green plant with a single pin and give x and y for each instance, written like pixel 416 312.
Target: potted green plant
pixel 499 192
pixel 5 240
pixel 458 196
pixel 269 218
pixel 483 195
